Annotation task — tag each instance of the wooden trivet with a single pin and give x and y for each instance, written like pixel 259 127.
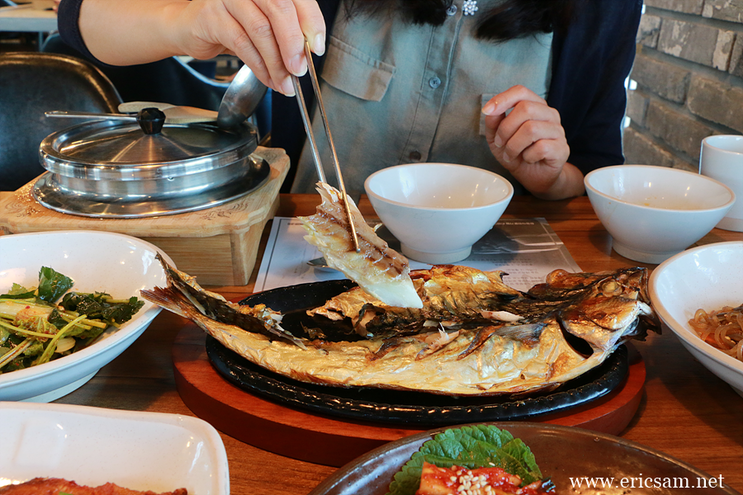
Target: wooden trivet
pixel 334 442
pixel 218 245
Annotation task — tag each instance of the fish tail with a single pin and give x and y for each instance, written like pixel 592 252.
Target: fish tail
pixel 170 299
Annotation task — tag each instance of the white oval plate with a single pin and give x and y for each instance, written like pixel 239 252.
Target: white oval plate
pixel 118 264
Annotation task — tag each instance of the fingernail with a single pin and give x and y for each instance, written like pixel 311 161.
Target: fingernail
pixel 506 158
pixel 298 65
pixel 488 108
pixel 287 87
pixel 497 141
pixel 318 46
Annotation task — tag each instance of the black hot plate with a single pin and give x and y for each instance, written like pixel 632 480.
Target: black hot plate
pixel 390 406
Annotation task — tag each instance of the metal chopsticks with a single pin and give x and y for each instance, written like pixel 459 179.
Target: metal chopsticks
pixel 311 138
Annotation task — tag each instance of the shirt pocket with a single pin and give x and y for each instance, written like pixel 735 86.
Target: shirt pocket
pixel 483 100
pixel 349 70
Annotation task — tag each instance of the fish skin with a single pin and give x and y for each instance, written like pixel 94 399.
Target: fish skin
pixel 379 269
pixel 515 358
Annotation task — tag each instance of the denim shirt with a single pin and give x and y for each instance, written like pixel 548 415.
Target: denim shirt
pixel 395 92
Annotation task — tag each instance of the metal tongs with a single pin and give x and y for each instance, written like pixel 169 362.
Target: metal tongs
pixel 313 144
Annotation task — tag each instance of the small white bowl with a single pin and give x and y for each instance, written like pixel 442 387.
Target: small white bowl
pixel 722 159
pixel 707 277
pixel 438 210
pixel 96 261
pixel 93 446
pixel 655 212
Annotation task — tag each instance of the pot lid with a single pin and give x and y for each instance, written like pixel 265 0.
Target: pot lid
pixel 129 145
pixel 122 169
pixel 116 150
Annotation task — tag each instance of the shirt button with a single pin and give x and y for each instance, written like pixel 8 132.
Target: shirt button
pixel 414 156
pixel 434 82
pixel 451 10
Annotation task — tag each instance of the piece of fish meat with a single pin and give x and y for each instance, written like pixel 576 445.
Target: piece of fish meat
pixel 378 269
pixel 460 343
pixel 447 292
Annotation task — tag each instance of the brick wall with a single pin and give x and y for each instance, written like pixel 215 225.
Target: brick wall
pixel 687 81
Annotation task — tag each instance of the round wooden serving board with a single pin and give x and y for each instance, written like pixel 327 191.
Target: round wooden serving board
pixel 334 442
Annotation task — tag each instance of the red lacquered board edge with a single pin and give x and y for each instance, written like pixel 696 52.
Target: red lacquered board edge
pixel 334 442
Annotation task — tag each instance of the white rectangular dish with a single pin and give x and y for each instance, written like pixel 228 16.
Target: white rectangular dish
pixel 93 446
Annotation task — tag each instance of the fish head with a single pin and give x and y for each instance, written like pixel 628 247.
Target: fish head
pixel 611 309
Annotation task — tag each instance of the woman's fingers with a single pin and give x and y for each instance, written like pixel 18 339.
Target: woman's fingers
pixel 281 27
pixel 526 136
pixel 532 135
pixel 268 35
pixel 273 41
pixel 517 120
pixel 312 24
pixel 549 152
pixel 508 99
pixel 280 37
pixel 521 114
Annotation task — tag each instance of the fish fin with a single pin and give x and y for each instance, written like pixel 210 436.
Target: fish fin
pixel 170 299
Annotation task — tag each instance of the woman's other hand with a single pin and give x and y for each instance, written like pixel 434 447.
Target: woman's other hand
pixel 525 135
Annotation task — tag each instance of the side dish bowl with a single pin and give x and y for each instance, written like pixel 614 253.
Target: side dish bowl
pixel 564 454
pixel 96 261
pixel 93 446
pixel 654 212
pixel 706 277
pixel 438 210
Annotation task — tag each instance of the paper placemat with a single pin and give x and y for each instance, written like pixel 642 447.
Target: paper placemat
pixel 527 249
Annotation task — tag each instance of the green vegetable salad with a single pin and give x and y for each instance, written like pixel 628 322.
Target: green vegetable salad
pixel 470 447
pixel 37 327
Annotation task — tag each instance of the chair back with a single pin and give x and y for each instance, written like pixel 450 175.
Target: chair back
pixel 33 83
pixel 168 81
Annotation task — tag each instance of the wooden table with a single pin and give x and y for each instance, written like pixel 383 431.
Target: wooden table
pixel 686 412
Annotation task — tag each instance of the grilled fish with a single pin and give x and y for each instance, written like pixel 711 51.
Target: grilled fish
pixel 473 336
pixel 379 269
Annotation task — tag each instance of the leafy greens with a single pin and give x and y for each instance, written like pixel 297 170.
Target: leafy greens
pixel 35 328
pixel 471 447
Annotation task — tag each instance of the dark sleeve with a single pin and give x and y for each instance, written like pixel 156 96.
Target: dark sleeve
pixel 67 17
pixel 591 62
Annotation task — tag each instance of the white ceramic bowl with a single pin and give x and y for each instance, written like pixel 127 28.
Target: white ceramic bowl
pixel 438 210
pixel 707 277
pixel 722 159
pixel 655 212
pixel 96 261
pixel 93 446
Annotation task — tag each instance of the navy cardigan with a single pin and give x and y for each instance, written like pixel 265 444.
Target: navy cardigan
pixel 590 64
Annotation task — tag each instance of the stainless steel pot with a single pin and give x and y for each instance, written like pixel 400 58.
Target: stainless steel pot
pixel 150 167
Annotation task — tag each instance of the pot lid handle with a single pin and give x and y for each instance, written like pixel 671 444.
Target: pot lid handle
pixel 151 120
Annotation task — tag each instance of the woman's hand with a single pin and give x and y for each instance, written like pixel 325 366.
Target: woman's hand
pixel 268 35
pixel 530 142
